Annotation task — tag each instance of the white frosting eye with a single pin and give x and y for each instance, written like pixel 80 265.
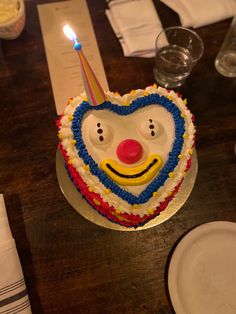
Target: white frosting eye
pixel 100 134
pixel 150 129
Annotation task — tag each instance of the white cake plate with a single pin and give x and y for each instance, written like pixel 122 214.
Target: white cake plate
pixel 87 211
pixel 202 273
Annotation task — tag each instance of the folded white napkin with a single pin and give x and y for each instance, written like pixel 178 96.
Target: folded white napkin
pixel 136 25
pixel 197 13
pixel 13 294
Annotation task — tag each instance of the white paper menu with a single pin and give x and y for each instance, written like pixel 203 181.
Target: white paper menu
pixel 63 61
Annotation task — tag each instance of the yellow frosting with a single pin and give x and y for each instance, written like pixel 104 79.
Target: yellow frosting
pixel 132 171
pixel 119 216
pixel 87 167
pixel 96 202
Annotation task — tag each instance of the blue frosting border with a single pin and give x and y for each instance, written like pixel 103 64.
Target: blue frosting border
pixel 139 103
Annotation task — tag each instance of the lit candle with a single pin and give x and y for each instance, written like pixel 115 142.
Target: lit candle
pixel 94 91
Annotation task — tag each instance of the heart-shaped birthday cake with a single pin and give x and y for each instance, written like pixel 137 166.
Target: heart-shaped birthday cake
pixel 128 155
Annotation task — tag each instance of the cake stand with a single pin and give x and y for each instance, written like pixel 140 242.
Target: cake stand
pixel 87 211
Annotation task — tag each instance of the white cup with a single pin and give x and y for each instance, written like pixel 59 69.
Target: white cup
pixel 12 28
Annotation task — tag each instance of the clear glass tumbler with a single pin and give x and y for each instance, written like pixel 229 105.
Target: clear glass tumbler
pixel 225 61
pixel 177 51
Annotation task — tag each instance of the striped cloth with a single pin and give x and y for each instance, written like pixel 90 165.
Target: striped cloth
pixel 13 293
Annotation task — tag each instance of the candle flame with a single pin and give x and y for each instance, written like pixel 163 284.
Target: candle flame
pixel 68 31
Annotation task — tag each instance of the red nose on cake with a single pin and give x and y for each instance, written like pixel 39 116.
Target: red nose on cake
pixel 129 151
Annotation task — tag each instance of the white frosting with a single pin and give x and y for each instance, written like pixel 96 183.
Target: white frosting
pixel 123 127
pixel 118 128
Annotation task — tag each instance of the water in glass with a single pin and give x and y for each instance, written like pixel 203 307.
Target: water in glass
pixel 172 65
pixel 226 63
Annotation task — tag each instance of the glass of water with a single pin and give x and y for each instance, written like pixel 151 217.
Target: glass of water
pixel 225 61
pixel 177 51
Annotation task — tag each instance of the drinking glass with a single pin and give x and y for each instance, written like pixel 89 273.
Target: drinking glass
pixel 177 51
pixel 225 61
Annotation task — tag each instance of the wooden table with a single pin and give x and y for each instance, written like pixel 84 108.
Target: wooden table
pixel 70 264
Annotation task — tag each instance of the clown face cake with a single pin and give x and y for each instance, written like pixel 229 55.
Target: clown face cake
pixel 128 156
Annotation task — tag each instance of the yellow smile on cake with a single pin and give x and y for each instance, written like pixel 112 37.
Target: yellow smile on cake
pixel 137 175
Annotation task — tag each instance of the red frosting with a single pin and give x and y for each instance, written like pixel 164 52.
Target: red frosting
pixel 129 151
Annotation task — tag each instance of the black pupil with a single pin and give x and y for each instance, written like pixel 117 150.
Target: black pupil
pixel 100 131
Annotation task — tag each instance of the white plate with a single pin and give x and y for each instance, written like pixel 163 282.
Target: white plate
pixel 202 271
